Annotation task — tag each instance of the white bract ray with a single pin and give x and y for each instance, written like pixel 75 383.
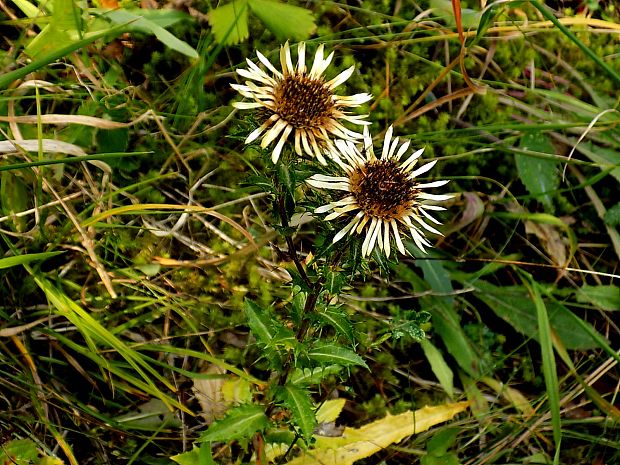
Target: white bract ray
pixel 299 104
pixel 382 199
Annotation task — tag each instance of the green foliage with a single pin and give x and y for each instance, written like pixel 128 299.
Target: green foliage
pixel 539 175
pixel 25 452
pixel 197 456
pixel 440 367
pixel 612 216
pixel 327 354
pixel 438 446
pixel 9 262
pixel 605 297
pixel 339 320
pixel 287 22
pixel 240 422
pixel 515 305
pixel 299 403
pixel 149 23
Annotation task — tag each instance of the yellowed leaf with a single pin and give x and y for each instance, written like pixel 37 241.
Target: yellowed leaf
pixel 358 443
pixel 330 410
pixel 237 390
pixel 511 395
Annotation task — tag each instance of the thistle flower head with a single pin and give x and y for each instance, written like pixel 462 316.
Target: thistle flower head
pixel 381 196
pixel 298 102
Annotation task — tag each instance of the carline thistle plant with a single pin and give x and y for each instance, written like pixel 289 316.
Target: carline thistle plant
pixel 383 194
pixel 378 197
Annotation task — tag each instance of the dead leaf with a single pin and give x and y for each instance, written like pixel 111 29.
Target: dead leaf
pixel 358 443
pixel 551 240
pixel 474 209
pixel 210 396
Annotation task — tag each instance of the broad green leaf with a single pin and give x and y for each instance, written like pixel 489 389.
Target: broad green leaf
pixel 439 366
pixel 358 443
pixel 240 422
pixel 309 376
pixel 259 322
pixel 436 275
pixel 19 452
pixel 437 448
pixel 286 22
pixel 612 216
pixel 539 175
pixel 62 29
pixel 66 14
pixel 333 354
pixel 514 305
pixel 443 9
pixel 165 17
pixel 196 456
pixel 230 22
pixel 339 320
pixel 605 297
pixel 300 405
pixel 135 21
pixel 9 262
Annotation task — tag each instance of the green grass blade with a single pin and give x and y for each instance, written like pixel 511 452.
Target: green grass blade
pixel 9 262
pixel 95 156
pixel 548 361
pixel 604 66
pixel 50 57
pixel 92 329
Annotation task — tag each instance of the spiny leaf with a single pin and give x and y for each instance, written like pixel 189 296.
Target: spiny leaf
pixel 335 354
pixel 241 422
pixel 309 376
pixel 261 325
pixel 18 451
pixel 300 405
pixel 339 320
pixel 196 456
